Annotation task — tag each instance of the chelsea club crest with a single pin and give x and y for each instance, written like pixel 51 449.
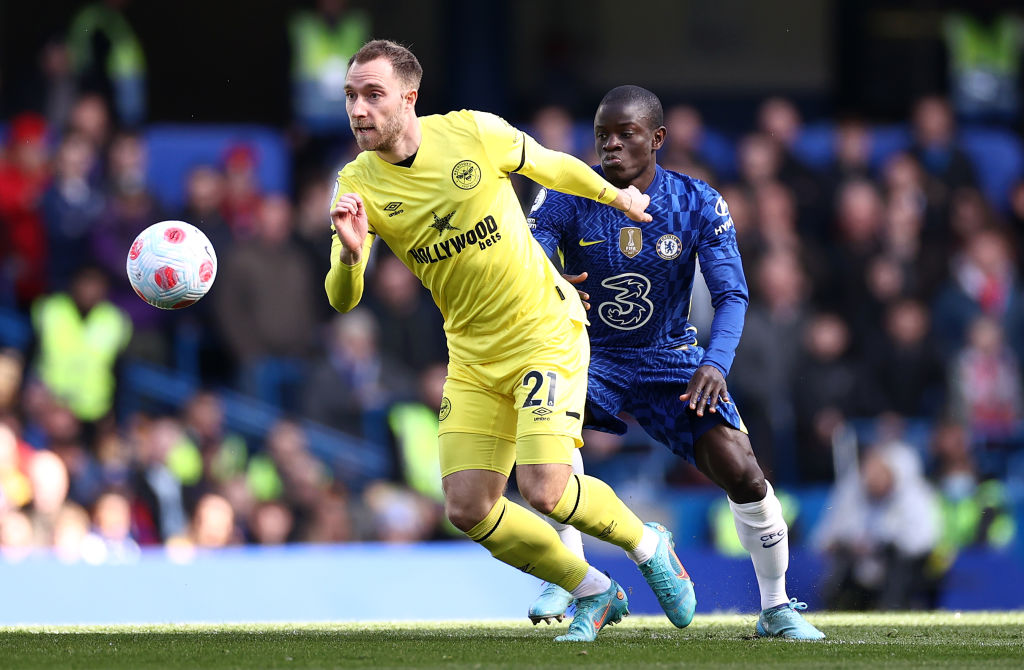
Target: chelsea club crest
pixel 668 247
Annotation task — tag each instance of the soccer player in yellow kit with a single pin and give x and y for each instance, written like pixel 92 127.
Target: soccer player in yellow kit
pixel 436 190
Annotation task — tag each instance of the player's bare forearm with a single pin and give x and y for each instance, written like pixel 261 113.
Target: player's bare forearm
pixel 706 388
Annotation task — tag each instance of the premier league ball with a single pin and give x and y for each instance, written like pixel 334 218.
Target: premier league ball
pixel 171 264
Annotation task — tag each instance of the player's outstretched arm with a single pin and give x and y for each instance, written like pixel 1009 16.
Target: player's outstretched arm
pixel 350 250
pixel 568 174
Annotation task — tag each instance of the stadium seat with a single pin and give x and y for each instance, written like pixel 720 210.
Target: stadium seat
pixel 816 144
pixel 998 160
pixel 175 149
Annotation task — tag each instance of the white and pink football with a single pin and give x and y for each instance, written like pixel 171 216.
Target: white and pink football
pixel 171 264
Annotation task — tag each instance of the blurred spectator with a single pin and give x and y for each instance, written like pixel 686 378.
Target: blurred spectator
pixel 1017 209
pixel 265 309
pixel 213 525
pixel 70 533
pixel 983 282
pixel 130 209
pixel 857 239
pixel 23 177
pixel 355 384
pixel 90 116
pixel 242 201
pixel 16 540
pixel 15 487
pixel 49 480
pixel 759 159
pixel 200 349
pixel 985 393
pixel 399 516
pixel 108 58
pixel 779 120
pixel 683 144
pixel 410 328
pixel 880 525
pixel 823 394
pixel 313 228
pixel 331 520
pixel 765 370
pixel 936 147
pixel 985 47
pixel 60 88
pixel 553 127
pixel 287 472
pixel 224 454
pixel 71 207
pixel 903 371
pixel 271 523
pixel 158 512
pixel 975 511
pixel 12 369
pixel 81 335
pixel 204 197
pixel 852 155
pixel 322 41
pixel 414 427
pixel 110 540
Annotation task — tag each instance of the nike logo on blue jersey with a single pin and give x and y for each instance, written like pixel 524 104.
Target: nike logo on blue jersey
pixel 584 243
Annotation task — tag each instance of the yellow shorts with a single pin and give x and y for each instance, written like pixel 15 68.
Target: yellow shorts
pixel 536 393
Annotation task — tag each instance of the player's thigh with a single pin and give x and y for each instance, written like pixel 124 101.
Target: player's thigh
pixel 477 426
pixel 550 391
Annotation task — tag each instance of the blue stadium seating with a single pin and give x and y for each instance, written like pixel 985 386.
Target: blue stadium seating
pixel 175 149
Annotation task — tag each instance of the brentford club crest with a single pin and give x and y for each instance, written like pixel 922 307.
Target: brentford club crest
pixel 631 241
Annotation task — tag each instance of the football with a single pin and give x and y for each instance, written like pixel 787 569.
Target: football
pixel 171 264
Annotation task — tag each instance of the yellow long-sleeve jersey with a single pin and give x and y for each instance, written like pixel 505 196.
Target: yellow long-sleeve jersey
pixel 454 220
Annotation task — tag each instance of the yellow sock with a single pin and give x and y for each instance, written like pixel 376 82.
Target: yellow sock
pixel 520 538
pixel 592 506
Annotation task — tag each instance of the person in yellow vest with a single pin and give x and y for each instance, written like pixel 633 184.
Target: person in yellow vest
pixel 322 41
pixel 106 55
pixel 80 335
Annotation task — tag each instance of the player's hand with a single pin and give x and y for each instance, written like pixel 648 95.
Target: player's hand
pixel 349 218
pixel 706 389
pixel 633 203
pixel 579 279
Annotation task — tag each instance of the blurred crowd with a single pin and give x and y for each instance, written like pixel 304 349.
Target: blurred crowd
pixel 886 312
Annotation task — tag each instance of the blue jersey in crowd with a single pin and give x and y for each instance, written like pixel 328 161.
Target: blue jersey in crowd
pixel 641 275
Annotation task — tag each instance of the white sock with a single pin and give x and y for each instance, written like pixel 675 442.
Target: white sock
pixel 570 536
pixel 648 545
pixel 593 583
pixel 764 533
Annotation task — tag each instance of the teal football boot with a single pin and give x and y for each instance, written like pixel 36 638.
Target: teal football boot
pixel 550 605
pixel 595 612
pixel 668 579
pixel 785 621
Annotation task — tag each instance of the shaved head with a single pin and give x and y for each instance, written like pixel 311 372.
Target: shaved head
pixel 646 103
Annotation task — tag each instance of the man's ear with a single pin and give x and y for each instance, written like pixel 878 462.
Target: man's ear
pixel 411 97
pixel 658 138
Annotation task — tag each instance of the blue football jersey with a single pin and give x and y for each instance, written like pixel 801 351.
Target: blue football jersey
pixel 641 274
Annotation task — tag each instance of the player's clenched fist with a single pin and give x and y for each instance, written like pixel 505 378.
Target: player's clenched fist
pixel 349 219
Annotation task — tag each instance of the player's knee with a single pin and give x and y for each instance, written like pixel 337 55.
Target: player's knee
pixel 542 498
pixel 465 514
pixel 743 479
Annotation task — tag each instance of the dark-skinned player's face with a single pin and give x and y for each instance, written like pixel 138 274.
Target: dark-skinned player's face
pixel 626 142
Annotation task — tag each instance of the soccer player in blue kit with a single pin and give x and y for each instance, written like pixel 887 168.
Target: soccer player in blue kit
pixel 645 359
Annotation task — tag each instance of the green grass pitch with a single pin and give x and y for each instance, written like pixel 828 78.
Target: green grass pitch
pixel 933 640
